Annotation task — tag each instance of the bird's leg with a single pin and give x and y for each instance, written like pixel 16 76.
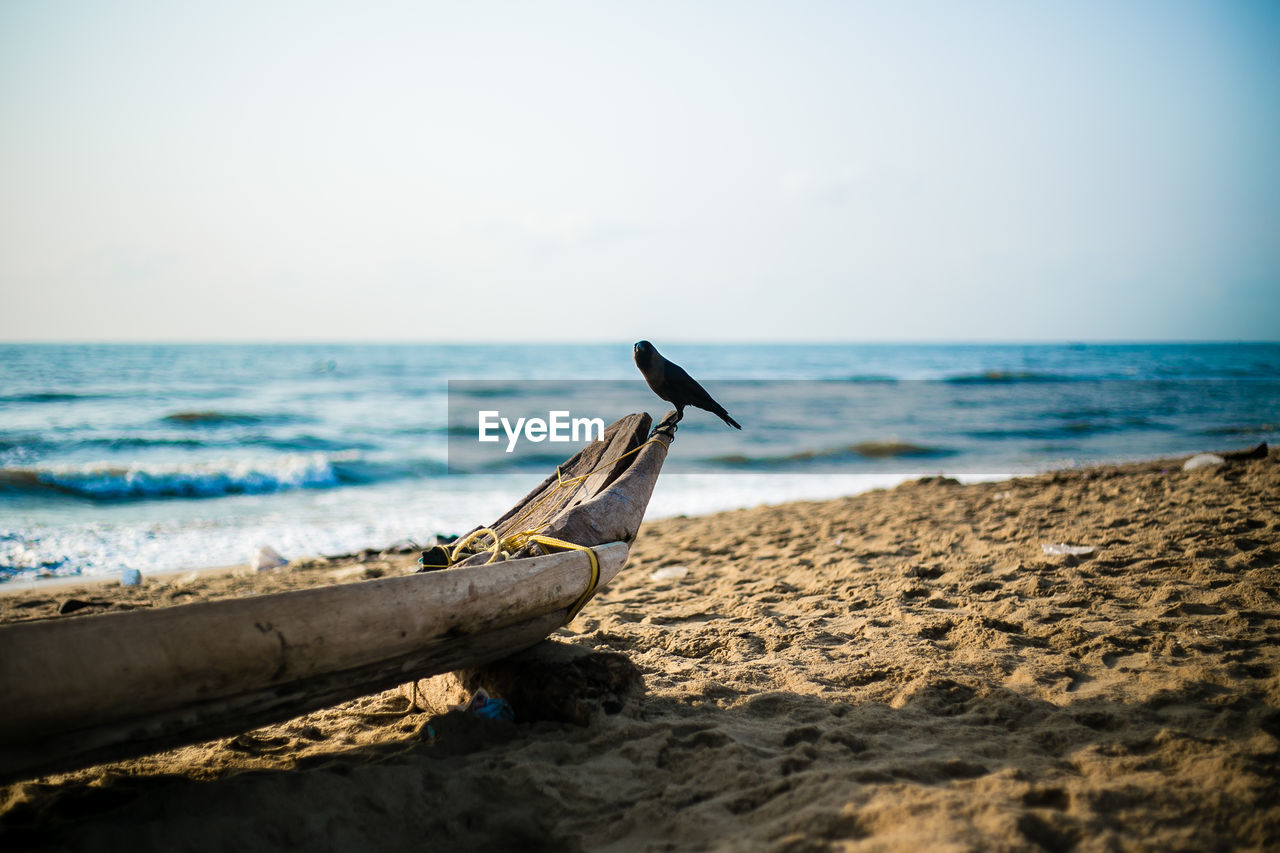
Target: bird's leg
pixel 667 427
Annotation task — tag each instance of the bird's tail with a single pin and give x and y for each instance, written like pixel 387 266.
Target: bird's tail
pixel 709 405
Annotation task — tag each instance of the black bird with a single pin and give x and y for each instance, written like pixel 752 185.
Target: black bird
pixel 669 381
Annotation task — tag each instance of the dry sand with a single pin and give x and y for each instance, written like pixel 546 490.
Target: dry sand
pixel 899 670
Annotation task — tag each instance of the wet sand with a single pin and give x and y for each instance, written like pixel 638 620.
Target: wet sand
pixel 898 670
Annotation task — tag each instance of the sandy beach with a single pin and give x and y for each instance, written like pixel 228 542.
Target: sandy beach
pixel 898 670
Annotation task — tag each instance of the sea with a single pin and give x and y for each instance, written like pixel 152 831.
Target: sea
pixel 158 457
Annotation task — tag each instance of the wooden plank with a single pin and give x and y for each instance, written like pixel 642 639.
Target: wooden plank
pixel 621 436
pixel 615 514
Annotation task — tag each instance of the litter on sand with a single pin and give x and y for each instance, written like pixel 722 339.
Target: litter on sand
pixel 1058 549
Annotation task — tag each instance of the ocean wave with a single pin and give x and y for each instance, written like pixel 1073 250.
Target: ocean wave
pixel 51 397
pixel 861 450
pixel 200 480
pixel 1071 429
pixel 1242 429
pixel 105 482
pixel 1080 414
pixel 887 449
pixel 120 442
pixel 213 417
pixel 1010 377
pixel 526 460
pixel 489 389
pixel 305 443
pixel 353 469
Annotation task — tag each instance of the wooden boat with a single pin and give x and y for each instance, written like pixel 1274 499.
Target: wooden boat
pixel 84 690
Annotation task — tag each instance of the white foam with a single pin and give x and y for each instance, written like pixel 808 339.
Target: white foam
pixel 225 532
pixel 201 479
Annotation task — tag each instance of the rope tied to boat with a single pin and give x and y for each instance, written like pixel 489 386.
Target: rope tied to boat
pixel 502 547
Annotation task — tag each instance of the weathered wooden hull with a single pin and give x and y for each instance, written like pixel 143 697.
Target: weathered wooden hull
pixel 96 688
pixel 84 690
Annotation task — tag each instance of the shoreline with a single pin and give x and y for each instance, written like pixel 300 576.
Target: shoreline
pixel 10 587
pixel 902 669
pixel 880 483
pixel 876 481
pixel 343 565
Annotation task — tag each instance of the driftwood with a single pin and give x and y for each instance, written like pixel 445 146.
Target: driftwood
pixel 88 689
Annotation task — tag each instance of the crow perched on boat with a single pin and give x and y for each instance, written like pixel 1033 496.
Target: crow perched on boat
pixel 670 382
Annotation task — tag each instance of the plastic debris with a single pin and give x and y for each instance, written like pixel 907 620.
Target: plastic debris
pixel 669 573
pixel 267 558
pixel 1058 549
pixel 1202 460
pixel 131 577
pixel 495 709
pixel 489 707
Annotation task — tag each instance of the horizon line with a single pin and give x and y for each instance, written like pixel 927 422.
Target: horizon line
pixel 678 341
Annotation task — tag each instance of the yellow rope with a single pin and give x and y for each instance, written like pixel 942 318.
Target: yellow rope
pixel 504 546
pixel 465 544
pixel 595 570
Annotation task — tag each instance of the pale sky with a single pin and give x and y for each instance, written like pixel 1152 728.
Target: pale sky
pixel 848 171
